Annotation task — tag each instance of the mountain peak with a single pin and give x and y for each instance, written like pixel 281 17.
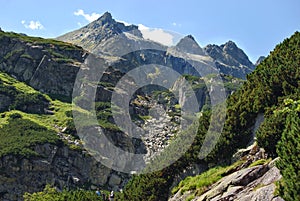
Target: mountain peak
pixel 106 18
pixel 259 60
pixel 188 44
pixel 229 45
pixel 106 15
pixel 190 37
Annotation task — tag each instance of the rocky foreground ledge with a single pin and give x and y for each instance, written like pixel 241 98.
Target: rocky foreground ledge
pixel 243 184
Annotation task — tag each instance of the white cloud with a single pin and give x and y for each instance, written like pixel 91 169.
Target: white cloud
pixel 88 17
pixel 176 24
pixel 33 25
pixel 157 35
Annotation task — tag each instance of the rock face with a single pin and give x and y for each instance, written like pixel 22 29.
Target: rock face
pixel 242 183
pixel 58 165
pixel 254 183
pixel 46 67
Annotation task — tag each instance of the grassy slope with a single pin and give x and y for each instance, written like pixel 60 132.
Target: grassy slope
pixel 18 134
pixel 40 41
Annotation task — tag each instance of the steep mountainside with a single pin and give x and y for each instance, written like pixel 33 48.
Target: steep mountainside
pixel 40 63
pixel 272 91
pixel 41 143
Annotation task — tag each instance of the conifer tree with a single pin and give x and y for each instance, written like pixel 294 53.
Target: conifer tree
pixel 289 164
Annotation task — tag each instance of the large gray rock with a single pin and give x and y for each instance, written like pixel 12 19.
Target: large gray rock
pixel 254 183
pixel 248 184
pixel 114 180
pixel 57 165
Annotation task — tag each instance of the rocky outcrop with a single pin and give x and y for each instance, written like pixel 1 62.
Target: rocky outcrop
pixel 243 182
pixel 253 183
pixel 161 123
pixel 56 164
pixel 43 65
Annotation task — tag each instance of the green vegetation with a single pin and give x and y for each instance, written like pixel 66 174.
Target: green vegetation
pixel 27 56
pixel 104 116
pixel 23 122
pixel 260 162
pixel 21 96
pixel 274 80
pixel 50 193
pixel 145 117
pixel 145 187
pixel 200 183
pixel 152 186
pixel 10 54
pixel 271 89
pixel 40 41
pixel 18 136
pixel 60 52
pixel 11 83
pixel 288 151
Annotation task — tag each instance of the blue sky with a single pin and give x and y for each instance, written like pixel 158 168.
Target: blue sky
pixel 255 25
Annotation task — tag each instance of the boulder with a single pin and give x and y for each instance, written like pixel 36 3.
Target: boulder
pixel 114 180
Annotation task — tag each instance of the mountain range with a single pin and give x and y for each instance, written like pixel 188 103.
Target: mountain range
pixel 107 36
pixel 118 83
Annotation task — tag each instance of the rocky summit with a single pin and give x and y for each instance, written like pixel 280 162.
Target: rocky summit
pixel 230 59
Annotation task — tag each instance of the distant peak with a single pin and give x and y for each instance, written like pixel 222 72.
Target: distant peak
pixel 187 39
pixel 188 44
pixel 229 44
pixel 106 15
pixel 259 60
pixel 106 18
pixel 190 37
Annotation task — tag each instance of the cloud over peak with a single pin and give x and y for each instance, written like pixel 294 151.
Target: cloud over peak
pixel 88 17
pixel 157 35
